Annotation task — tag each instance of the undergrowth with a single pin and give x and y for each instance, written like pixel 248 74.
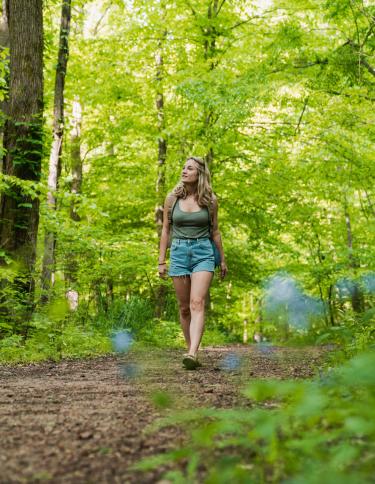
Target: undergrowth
pixel 295 432
pixel 55 333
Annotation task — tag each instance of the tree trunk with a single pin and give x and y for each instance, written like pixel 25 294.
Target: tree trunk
pixel 55 155
pixel 161 290
pixel 19 212
pixel 320 256
pixel 162 142
pixel 76 159
pixel 210 52
pixel 71 265
pixel 356 296
pixel 331 306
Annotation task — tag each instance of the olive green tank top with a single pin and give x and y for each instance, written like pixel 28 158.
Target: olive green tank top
pixel 190 225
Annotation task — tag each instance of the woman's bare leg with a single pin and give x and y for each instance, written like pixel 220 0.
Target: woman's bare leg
pixel 182 287
pixel 200 283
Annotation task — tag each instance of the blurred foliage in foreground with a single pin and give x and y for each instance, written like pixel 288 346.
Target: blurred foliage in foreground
pixel 295 432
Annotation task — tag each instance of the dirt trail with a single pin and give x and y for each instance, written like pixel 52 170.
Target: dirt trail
pixel 84 421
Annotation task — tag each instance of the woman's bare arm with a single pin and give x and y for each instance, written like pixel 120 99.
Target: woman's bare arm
pixel 216 237
pixel 164 236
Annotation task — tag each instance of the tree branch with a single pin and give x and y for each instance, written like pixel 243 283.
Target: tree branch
pixel 370 204
pixel 218 10
pixel 191 8
pixel 368 67
pixel 242 23
pixel 368 34
pixel 338 93
pixel 253 18
pixel 357 50
pixel 310 64
pixel 301 115
pixel 96 28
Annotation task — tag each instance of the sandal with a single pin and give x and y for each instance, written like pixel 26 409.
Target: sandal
pixel 190 362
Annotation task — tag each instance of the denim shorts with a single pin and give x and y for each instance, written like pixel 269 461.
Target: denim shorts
pixel 191 255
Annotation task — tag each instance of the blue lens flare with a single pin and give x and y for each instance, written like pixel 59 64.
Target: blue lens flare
pixel 284 302
pixel 122 341
pixel 345 288
pixel 231 361
pixel 129 370
pixel 265 348
pixel 368 282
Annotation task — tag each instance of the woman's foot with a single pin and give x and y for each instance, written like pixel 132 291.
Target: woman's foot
pixel 190 362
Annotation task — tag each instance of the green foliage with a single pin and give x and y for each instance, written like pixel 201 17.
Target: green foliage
pixel 295 431
pixel 283 97
pixel 162 400
pixel 4 73
pixel 53 341
pixel 56 333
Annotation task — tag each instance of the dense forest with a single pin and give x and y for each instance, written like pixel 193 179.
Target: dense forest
pixel 102 102
pixel 276 96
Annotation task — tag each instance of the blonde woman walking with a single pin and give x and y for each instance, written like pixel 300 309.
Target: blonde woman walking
pixel 190 217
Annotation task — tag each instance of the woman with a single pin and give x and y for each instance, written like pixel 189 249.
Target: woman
pixel 189 212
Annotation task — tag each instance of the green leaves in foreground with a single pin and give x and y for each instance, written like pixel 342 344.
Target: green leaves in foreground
pixel 295 432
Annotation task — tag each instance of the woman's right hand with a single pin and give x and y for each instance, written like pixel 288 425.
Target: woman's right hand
pixel 163 270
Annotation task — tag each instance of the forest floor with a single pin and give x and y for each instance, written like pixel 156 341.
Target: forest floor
pixel 86 420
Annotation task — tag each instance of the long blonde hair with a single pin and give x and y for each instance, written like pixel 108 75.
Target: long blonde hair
pixel 204 189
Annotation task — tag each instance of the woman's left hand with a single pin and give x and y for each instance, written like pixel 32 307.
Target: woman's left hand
pixel 223 270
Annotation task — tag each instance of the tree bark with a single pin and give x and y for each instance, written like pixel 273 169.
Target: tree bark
pixel 162 155
pixel 76 159
pixel 71 265
pixel 19 212
pixel 356 296
pixel 56 148
pixel 162 142
pixel 210 52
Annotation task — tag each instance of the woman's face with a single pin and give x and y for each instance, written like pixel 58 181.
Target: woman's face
pixel 190 172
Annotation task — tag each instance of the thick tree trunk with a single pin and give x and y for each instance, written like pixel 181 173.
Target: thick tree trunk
pixel 55 155
pixel 19 213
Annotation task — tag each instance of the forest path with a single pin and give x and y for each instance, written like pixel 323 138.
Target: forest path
pixel 85 420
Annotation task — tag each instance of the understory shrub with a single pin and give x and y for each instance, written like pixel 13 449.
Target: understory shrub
pixel 53 341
